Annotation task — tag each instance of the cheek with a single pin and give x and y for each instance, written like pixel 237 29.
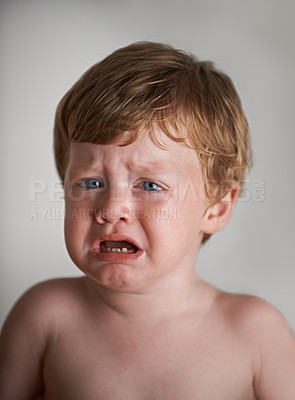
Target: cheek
pixel 76 225
pixel 192 201
pixel 172 223
pixel 186 225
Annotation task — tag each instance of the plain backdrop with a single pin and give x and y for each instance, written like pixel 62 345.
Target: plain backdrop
pixel 45 46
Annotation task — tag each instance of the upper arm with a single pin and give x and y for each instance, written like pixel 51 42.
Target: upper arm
pixel 23 343
pixel 275 342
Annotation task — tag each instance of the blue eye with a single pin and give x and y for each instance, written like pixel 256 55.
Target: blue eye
pixel 92 184
pixel 151 186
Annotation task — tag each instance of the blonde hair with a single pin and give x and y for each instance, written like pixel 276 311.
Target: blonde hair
pixel 148 84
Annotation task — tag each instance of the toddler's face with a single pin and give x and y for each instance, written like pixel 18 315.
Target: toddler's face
pixel 134 213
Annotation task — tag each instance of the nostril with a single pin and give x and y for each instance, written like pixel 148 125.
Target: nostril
pixel 112 215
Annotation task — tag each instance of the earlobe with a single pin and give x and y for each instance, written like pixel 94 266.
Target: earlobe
pixel 218 215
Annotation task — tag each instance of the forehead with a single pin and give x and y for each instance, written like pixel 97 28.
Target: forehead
pixel 140 153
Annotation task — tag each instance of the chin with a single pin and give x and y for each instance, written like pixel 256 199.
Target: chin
pixel 118 277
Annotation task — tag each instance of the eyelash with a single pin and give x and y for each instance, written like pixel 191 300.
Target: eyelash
pixel 83 184
pixel 159 188
pixel 93 183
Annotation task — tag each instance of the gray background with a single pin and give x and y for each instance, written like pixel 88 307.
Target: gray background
pixel 47 45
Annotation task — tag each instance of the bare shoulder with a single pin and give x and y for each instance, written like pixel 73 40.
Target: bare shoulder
pixel 47 299
pixel 251 313
pixel 29 329
pixel 265 333
pixel 39 310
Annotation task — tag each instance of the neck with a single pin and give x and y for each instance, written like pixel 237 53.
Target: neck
pixel 156 303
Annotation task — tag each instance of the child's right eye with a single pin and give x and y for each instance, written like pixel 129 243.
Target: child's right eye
pixel 151 186
pixel 91 184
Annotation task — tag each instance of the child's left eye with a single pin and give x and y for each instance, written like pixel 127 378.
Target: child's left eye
pixel 91 184
pixel 151 186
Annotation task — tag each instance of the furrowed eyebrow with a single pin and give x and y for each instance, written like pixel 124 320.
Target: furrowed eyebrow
pixel 83 168
pixel 149 167
pixel 153 166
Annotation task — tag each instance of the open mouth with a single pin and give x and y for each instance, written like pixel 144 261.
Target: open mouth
pixel 117 246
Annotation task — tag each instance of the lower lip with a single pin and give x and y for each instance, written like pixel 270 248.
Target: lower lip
pixel 114 257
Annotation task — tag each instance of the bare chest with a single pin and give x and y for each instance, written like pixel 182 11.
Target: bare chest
pixel 158 365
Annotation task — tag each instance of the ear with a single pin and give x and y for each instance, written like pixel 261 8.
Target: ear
pixel 217 216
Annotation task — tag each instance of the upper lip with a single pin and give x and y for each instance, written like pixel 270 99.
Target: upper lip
pixel 115 237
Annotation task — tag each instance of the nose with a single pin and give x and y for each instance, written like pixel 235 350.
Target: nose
pixel 114 208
